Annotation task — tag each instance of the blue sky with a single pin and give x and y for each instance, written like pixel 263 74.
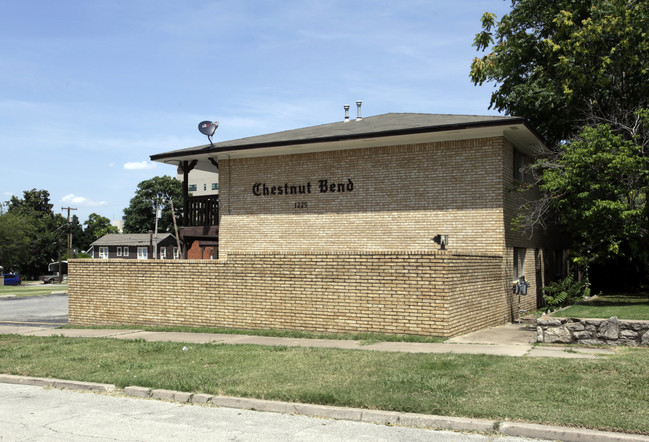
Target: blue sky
pixel 90 88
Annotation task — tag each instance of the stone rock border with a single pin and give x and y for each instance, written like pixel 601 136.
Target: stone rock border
pixel 611 331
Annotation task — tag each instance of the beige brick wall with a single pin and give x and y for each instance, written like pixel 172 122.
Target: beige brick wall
pixel 402 197
pixel 425 293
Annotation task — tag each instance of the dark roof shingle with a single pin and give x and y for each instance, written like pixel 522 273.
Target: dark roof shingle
pixel 128 239
pixel 375 126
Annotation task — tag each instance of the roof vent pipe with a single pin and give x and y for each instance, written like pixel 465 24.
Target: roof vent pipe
pixel 346 113
pixel 358 110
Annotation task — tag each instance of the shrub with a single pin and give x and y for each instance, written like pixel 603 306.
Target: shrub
pixel 565 292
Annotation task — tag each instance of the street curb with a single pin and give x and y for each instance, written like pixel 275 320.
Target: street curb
pixel 57 383
pixel 379 417
pixel 566 434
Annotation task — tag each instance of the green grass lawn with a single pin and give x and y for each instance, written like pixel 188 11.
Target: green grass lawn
pixel 608 393
pixel 32 290
pixel 624 306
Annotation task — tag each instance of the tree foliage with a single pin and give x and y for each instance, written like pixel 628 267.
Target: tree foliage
pixel 16 233
pixel 96 227
pixel 579 71
pixel 598 186
pixel 44 230
pixel 139 216
pixel 32 235
pixel 33 203
pixel 566 64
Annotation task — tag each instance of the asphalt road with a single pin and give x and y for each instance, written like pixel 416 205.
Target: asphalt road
pixel 37 414
pixel 41 311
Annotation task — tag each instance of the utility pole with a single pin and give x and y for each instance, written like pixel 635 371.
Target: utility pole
pixel 155 237
pixel 69 234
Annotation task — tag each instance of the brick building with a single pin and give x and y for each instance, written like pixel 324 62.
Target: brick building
pixel 340 227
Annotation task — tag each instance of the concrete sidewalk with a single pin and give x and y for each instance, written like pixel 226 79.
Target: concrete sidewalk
pixel 507 340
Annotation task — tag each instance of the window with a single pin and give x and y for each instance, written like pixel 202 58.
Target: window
pixel 163 253
pixel 205 186
pixel 125 251
pixel 119 251
pixel 215 186
pixel 519 166
pixel 176 253
pixel 103 252
pixel 192 188
pixel 142 252
pixel 519 262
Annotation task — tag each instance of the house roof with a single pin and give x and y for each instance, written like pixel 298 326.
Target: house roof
pixel 374 127
pixel 379 130
pixel 129 239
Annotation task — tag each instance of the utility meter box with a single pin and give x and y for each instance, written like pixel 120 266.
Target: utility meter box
pixel 521 286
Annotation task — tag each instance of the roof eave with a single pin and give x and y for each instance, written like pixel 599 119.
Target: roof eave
pixel 207 149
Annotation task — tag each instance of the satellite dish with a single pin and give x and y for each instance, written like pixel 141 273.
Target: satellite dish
pixel 208 128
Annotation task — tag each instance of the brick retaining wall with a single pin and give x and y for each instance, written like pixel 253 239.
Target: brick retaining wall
pixel 428 293
pixel 592 331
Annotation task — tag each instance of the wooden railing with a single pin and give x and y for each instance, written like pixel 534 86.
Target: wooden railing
pixel 202 211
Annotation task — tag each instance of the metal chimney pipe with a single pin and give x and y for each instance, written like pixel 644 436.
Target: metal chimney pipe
pixel 346 113
pixel 358 110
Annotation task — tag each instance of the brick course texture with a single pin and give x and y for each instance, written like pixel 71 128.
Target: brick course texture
pixel 402 196
pixel 425 293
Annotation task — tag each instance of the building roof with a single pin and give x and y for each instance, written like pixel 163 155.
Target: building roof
pixel 370 131
pixel 129 239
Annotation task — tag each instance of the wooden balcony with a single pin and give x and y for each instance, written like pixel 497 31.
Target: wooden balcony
pixel 201 211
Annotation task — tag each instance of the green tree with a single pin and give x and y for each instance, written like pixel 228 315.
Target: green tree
pixel 33 203
pixel 566 64
pixel 598 186
pixel 578 70
pixel 96 227
pixel 139 216
pixel 16 233
pixel 47 231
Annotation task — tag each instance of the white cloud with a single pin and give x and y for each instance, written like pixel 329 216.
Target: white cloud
pixel 141 165
pixel 71 198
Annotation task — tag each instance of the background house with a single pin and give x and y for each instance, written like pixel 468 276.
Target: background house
pixel 135 246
